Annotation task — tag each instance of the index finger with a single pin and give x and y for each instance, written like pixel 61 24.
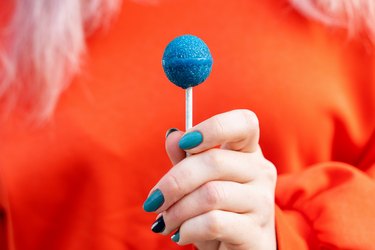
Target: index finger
pixel 235 130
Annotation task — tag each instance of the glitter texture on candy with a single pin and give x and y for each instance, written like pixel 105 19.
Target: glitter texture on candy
pixel 187 61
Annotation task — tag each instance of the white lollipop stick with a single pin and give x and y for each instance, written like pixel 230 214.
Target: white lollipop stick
pixel 189 108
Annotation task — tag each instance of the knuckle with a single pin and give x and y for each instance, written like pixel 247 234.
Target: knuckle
pixel 213 158
pixel 268 201
pixel 172 219
pixel 266 212
pixel 263 212
pixel 250 119
pixel 172 215
pixel 270 171
pixel 212 194
pixel 214 227
pixel 217 125
pixel 174 184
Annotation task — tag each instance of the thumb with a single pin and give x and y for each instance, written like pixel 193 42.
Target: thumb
pixel 175 153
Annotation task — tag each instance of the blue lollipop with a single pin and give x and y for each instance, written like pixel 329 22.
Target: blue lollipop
pixel 187 62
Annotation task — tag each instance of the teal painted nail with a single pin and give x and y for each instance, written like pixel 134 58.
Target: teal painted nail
pixel 154 201
pixel 176 236
pixel 190 140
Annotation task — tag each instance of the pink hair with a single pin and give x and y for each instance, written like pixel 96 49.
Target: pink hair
pixel 44 43
pixel 357 16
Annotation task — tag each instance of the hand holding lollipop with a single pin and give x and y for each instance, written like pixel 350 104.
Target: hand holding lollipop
pixel 218 198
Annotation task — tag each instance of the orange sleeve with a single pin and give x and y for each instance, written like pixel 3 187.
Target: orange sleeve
pixel 328 206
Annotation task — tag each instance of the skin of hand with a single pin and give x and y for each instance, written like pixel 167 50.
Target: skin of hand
pixel 222 195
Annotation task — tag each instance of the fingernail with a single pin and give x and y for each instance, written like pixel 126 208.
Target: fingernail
pixel 176 236
pixel 170 131
pixel 158 225
pixel 190 140
pixel 154 201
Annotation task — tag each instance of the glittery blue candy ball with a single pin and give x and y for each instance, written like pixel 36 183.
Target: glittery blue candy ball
pixel 187 61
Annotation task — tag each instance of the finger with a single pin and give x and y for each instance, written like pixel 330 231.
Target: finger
pixel 214 195
pixel 175 153
pixel 229 228
pixel 196 170
pixel 235 130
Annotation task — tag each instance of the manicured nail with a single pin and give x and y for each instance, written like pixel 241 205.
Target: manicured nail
pixel 158 225
pixel 154 201
pixel 176 236
pixel 170 131
pixel 190 140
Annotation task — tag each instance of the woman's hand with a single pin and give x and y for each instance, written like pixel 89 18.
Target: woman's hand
pixel 217 198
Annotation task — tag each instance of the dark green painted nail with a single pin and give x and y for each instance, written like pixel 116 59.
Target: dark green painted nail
pixel 170 131
pixel 159 225
pixel 176 236
pixel 154 201
pixel 190 140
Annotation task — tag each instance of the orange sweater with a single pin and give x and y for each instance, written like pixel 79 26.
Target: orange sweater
pixel 80 181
